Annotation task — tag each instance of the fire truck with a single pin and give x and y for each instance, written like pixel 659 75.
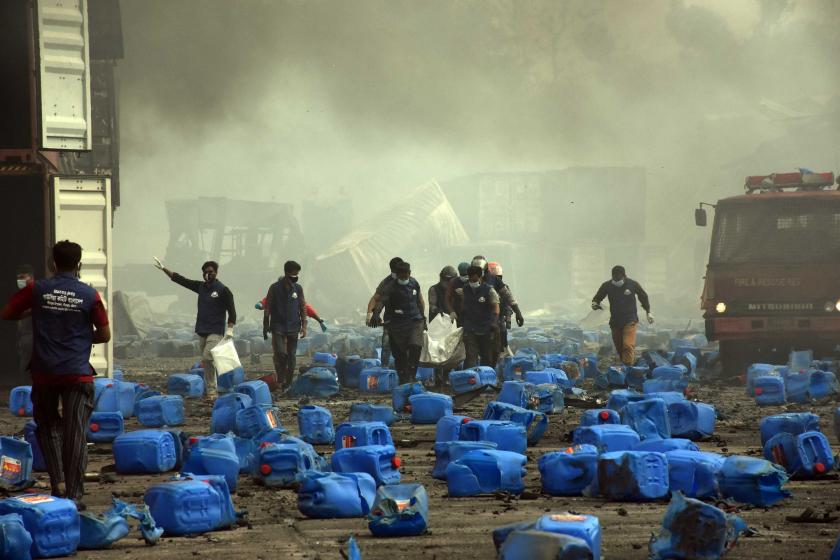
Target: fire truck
pixel 772 282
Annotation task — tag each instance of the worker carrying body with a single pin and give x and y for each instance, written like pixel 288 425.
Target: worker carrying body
pixel 455 293
pixel 508 306
pixel 375 305
pixel 480 320
pixel 437 293
pixel 284 317
pixel 215 300
pixel 404 321
pixel 624 319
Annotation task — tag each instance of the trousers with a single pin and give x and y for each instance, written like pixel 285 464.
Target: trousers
pixel 624 339
pixel 481 349
pixel 406 341
pixel 284 346
pixel 205 344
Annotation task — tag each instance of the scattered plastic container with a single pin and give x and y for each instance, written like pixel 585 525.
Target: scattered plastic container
pixel 325 358
pixel 484 471
pixel 517 393
pixel 401 393
pixel 227 381
pixel 607 437
pixel 319 382
pixel 15 540
pixel 104 427
pixel 428 408
pixel 534 422
pixel 471 379
pixel 336 495
pixel 664 385
pixel 162 410
pixel 256 389
pixel 806 455
pixel 52 523
pixel 448 451
pixel 531 545
pixel 379 461
pixel 791 422
pixel 548 376
pixel 584 527
pixel 316 425
pixel 548 399
pixel 509 436
pixel 798 386
pixel 823 384
pixel 188 385
pixel 256 418
pixel 144 451
pixel 38 463
pixel 692 420
pixel 648 417
pixel 190 506
pixel 284 464
pixel 20 401
pixel 368 412
pixel 359 434
pixel 568 472
pixel 213 455
pixel 15 463
pixel 632 476
pixel 400 510
pixel 377 380
pixel 769 390
pixel 223 417
pixel 102 530
pixel 755 371
pixel 753 481
pixel 449 427
pixel 599 416
pixel 694 473
pixel 620 397
pixel 349 368
pixel 111 395
pixel 665 445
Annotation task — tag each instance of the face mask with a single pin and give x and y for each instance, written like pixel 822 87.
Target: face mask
pixel 21 283
pixel 293 279
pixel 618 283
pixel 394 275
pixel 402 282
pixel 475 284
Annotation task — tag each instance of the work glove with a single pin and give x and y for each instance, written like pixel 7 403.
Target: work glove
pixel 520 320
pixel 258 305
pixel 323 326
pixel 158 264
pixel 425 324
pixel 265 334
pixel 596 306
pixel 229 332
pixel 507 324
pixel 453 316
pixel 303 333
pixel 650 318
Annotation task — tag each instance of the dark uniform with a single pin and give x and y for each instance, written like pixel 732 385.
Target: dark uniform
pixel 284 317
pixel 480 325
pixel 404 324
pixel 624 317
pixel 437 300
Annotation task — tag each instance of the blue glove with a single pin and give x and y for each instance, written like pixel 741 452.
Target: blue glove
pixel 258 305
pixel 323 327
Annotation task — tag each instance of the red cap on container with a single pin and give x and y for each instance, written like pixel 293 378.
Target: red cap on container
pixel 465 420
pixel 21 411
pixel 396 462
pixel 604 415
pixel 758 390
pixel 193 440
pixel 94 427
pixel 264 444
pixel 472 381
pixel 407 408
pixel 819 467
pixel 109 385
pixel 265 469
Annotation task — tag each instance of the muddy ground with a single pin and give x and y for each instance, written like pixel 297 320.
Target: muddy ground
pixel 459 527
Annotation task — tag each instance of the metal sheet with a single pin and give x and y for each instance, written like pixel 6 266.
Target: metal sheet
pixel 64 74
pixel 82 213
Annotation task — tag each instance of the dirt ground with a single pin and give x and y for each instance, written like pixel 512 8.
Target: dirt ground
pixel 459 527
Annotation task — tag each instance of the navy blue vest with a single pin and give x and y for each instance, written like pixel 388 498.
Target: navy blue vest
pixel 212 311
pixel 477 312
pixel 63 335
pixel 285 309
pixel 403 302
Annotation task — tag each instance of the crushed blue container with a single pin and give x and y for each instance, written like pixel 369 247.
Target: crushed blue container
pixel 20 401
pixel 449 427
pixel 823 384
pixel 359 434
pixel 483 471
pixel 144 451
pixel 162 410
pixel 100 531
pixel 399 510
pixel 188 385
pixel 284 464
pixel 568 472
pixel 692 420
pixel 448 451
pixel 534 422
pixel 632 476
pixel 517 393
pixel 670 397
pixel 103 427
pixel 648 417
pixel 315 424
pixel 805 455
pixel 15 463
pixel 548 399
pixel 636 376
pixel 190 506
pixel 349 368
pixel 214 455
pixel 509 436
pixel 769 390
pixel 223 417
pixel 471 379
pixel 688 358
pixel 753 481
pixel 584 527
pixel 111 395
pixel 598 416
pixel 615 377
pixel 256 389
pixel 254 419
pixel 515 367
pixel 665 445
pixel 274 435
pixel 791 422
pixel 38 463
pixel 401 393
pixel 336 495
pixel 672 372
pixel 227 381
pixel 588 367
pixel 15 540
pixel 368 412
pixel 607 437
pixel 428 408
pixel 425 375
pixel 319 382
pixel 620 397
pixel 325 358
pixel 548 376
pixel 531 545
pixel 377 380
pixel 52 523
pixel 694 473
pixel 798 386
pixel 379 461
pixel 664 385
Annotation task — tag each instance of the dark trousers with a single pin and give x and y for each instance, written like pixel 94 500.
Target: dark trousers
pixel 285 356
pixel 406 340
pixel 385 357
pixel 62 437
pixel 481 349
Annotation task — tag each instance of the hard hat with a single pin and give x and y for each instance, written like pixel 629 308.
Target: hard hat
pixel 495 268
pixel 448 272
pixel 463 267
pixel 480 262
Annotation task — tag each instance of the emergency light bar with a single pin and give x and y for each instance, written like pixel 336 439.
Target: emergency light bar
pixel 798 180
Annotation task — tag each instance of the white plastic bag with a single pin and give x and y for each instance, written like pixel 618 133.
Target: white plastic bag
pixel 443 343
pixel 225 358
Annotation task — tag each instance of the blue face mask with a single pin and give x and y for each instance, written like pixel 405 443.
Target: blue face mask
pixel 402 282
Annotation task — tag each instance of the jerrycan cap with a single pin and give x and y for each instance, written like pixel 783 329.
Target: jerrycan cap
pixel 109 385
pixel 94 427
pixel 193 440
pixel 265 469
pixel 758 391
pixel 396 462
pixel 472 380
pixel 466 419
pixel 407 408
pixel 819 468
pixel 21 411
pixel 604 415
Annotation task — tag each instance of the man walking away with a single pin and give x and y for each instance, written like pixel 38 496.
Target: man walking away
pixel 480 319
pixel 404 321
pixel 214 301
pixel 375 305
pixel 455 292
pixel 622 293
pixel 68 318
pixel 25 277
pixel 285 318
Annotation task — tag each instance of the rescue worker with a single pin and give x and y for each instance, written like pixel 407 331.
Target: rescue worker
pixel 624 319
pixel 284 317
pixel 455 293
pixel 68 318
pixel 508 304
pixel 215 300
pixel 310 312
pixel 404 320
pixel 25 277
pixel 374 308
pixel 437 293
pixel 480 319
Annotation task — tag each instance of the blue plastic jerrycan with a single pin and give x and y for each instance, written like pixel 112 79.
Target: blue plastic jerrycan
pixel 694 473
pixel 15 463
pixel 377 380
pixel 791 422
pixel 111 395
pixel 636 376
pixel 223 417
pixel 693 529
pixel 672 372
pixel 471 379
pixel 517 393
pixel 38 463
pixel 584 527
pixel 225 382
pixel 256 389
pixel 798 386
pixel 509 436
pixel 534 422
pixel 665 445
pixel 607 437
pixel 599 416
pixel 448 451
pixel 399 510
pixel 369 412
pixel 104 427
pixel 52 523
pixel 246 450
pixel 348 369
pixel 425 375
pixel 316 425
pixel 483 471
pixel 15 540
pixel 325 358
pixel 750 480
pixel 144 451
pixel 754 371
pixel 568 472
pixel 273 435
pixel 823 384
pixel 692 420
pixel 670 397
pixel 632 476
pixel 428 408
pixel 548 399
pixel 359 434
pixel 189 506
pixel 548 376
pixel 688 358
pixel 615 376
pixel 664 385
pixel 769 390
pixel 449 427
pixel 214 455
pixel 379 461
pixel 319 382
pixel 515 367
pixel 648 417
pixel 806 455
pixel 254 419
pixel 401 393
pixel 188 385
pixel 336 495
pixel 20 401
pixel 620 397
pixel 162 410
pixel 284 464
pixel 531 544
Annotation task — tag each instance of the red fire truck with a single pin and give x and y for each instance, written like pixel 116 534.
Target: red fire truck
pixel 773 277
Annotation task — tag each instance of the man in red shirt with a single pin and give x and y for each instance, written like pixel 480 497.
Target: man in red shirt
pixel 68 318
